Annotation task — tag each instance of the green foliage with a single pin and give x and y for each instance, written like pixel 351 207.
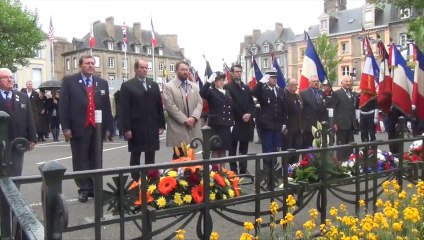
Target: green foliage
pixel 416 30
pixel 327 52
pixel 20 34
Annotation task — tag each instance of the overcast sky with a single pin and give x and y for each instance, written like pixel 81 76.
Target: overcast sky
pixel 213 28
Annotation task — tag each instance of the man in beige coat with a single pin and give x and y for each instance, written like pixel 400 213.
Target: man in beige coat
pixel 184 105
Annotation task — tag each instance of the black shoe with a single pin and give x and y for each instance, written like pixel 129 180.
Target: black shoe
pixel 90 194
pixel 83 197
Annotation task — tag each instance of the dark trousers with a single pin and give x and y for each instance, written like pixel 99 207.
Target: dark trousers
pixel 307 139
pixel 394 147
pixel 367 127
pixel 292 141
pixel 84 158
pixel 271 141
pixel 149 158
pixel 243 148
pixel 344 136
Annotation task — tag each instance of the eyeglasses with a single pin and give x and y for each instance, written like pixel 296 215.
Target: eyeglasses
pixel 8 77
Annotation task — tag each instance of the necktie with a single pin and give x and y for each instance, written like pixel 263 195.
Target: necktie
pixel 87 82
pixel 8 102
pixel 275 91
pixel 317 95
pixel 143 84
pixel 349 95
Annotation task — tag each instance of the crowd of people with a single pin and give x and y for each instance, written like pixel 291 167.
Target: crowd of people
pixel 141 112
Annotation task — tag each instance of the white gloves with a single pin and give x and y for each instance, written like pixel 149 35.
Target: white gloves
pixel 212 78
pixel 376 112
pixel 265 78
pixel 284 127
pixel 375 120
pixel 413 107
pixel 357 114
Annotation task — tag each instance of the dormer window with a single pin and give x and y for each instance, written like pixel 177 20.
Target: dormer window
pixel 266 48
pixel 278 46
pixel 368 16
pixel 160 52
pixel 253 50
pixel 403 40
pixel 405 13
pixel 137 49
pixel 324 23
pixel 110 46
pixel 149 51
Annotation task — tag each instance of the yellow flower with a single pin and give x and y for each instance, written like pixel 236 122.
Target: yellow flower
pixel 231 193
pixel 259 220
pixel 402 195
pixel 227 182
pixel 367 226
pixel 361 203
pixel 214 236
pixel 283 222
pixel 354 237
pixel 177 199
pixel 313 213
pixel 212 174
pixel 371 236
pixel 386 185
pixel 290 201
pixel 273 208
pixel 342 207
pixel 309 225
pixel 333 211
pixel 248 226
pixel 173 174
pixel 212 196
pixel 272 225
pixel 412 214
pixel 289 217
pixel 379 203
pixel 397 226
pixel 161 202
pixel 180 234
pixel 151 188
pixel 410 185
pixel 299 234
pixel 246 236
pixel 224 196
pixel 183 183
pixel 188 198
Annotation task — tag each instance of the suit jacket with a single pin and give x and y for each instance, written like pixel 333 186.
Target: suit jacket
pixel 21 123
pixel 294 112
pixel 272 115
pixel 313 111
pixel 142 113
pixel 74 99
pixel 220 106
pixel 179 107
pixel 243 103
pixel 344 110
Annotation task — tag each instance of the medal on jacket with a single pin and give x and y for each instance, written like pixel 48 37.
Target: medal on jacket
pixel 269 101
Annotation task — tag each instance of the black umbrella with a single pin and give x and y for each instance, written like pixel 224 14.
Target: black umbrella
pixel 50 85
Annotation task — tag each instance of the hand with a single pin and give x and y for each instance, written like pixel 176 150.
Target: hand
pixel 212 78
pixel 335 128
pixel 257 105
pixel 413 107
pixel 190 122
pixel 128 135
pixel 67 133
pixel 161 131
pixel 264 79
pixel 375 120
pixel 31 145
pixel 246 117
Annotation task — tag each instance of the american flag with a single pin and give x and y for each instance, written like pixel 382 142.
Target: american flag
pixel 51 30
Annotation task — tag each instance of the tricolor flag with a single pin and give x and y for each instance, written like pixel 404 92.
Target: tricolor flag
pixel 124 37
pixel 370 75
pixel 311 66
pixel 418 90
pixel 255 73
pixel 281 82
pixel 51 30
pixel 227 71
pixel 403 80
pixel 384 96
pixel 208 71
pixel 92 39
pixel 154 43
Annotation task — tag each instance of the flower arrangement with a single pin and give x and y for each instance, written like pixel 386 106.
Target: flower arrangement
pixel 385 161
pixel 184 185
pixel 415 152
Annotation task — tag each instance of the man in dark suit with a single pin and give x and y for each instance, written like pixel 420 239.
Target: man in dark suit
pixel 313 111
pixel 142 117
pixel 36 112
pixel 292 136
pixel 243 109
pixel 344 116
pixel 81 95
pixel 21 122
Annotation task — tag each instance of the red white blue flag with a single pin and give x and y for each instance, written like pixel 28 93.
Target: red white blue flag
pixel 51 30
pixel 124 37
pixel 370 75
pixel 281 81
pixel 418 89
pixel 403 80
pixel 384 96
pixel 154 42
pixel 92 39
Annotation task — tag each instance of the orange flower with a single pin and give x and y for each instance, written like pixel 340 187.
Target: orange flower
pixel 167 185
pixel 191 154
pixel 192 169
pixel 219 180
pixel 197 193
pixel 236 187
pixel 149 198
pixel 230 174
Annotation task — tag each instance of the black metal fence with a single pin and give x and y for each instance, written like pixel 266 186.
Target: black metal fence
pixel 367 185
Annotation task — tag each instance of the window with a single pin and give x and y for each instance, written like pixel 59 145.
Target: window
pixel 405 13
pixel 125 76
pixel 137 49
pixel 149 66
pixel 253 50
pixel 75 63
pixel 124 63
pixel 68 64
pixel 344 47
pixel 266 62
pixel 37 53
pixel 368 16
pixel 123 47
pixel 171 67
pixel 160 52
pixel 161 66
pixel 110 45
pixel 345 70
pixel 111 77
pixel 111 62
pixel 278 46
pixel 36 76
pixel 149 50
pixel 266 48
pixel 324 24
pixel 403 40
pixel 97 59
pixel 302 53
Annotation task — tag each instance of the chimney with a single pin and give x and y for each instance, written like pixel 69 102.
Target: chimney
pixel 137 31
pixel 110 27
pixel 171 41
pixel 256 35
pixel 332 6
pixel 279 30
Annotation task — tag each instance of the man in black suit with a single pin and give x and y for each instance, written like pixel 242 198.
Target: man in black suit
pixel 344 116
pixel 142 117
pixel 292 136
pixel 81 95
pixel 243 108
pixel 313 111
pixel 21 122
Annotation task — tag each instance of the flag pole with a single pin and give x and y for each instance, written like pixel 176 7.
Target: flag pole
pixel 153 67
pixel 52 57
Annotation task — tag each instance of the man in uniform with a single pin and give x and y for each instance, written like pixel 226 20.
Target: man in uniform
pixel 368 118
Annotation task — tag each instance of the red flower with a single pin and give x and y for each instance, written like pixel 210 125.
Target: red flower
pixel 215 167
pixel 219 180
pixel 415 158
pixel 194 178
pixel 197 193
pixel 167 185
pixel 153 174
pixel 304 163
pixel 406 156
pixel 386 166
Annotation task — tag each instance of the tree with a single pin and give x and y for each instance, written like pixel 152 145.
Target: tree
pixel 20 35
pixel 416 26
pixel 327 52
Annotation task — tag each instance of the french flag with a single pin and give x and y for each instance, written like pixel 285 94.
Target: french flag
pixel 403 80
pixel 369 77
pixel 311 66
pixel 281 81
pixel 418 90
pixel 384 97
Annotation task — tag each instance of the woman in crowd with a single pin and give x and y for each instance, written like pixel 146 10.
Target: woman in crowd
pixel 53 111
